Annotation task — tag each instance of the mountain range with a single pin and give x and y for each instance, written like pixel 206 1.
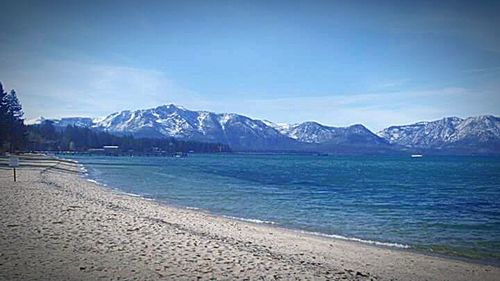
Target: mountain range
pixel 451 135
pixel 480 134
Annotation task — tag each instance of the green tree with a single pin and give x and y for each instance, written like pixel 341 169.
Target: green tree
pixel 4 124
pixel 13 122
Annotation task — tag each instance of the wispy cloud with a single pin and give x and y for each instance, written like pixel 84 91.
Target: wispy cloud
pixel 72 88
pixel 375 110
pixel 58 88
pixel 482 70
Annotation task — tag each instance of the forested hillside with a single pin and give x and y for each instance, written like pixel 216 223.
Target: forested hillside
pixel 46 137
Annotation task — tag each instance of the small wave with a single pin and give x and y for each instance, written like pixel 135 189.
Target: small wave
pixel 96 182
pixel 378 243
pixel 130 194
pixel 250 220
pixel 135 195
pixel 192 208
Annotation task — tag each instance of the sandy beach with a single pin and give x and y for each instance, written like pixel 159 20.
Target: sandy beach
pixel 56 225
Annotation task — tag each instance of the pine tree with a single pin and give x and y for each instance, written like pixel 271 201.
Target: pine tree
pixel 14 108
pixel 4 124
pixel 14 122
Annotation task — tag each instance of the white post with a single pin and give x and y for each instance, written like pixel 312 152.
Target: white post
pixel 14 162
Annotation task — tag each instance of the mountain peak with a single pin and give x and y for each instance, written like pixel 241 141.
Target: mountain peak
pixel 483 117
pixel 474 134
pixel 482 132
pixel 64 121
pixel 35 121
pixel 168 107
pixel 358 127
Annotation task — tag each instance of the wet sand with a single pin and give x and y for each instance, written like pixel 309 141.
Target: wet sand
pixel 55 225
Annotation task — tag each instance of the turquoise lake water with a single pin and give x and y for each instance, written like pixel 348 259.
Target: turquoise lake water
pixel 444 205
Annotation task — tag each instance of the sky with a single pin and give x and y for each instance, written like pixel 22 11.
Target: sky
pixel 377 63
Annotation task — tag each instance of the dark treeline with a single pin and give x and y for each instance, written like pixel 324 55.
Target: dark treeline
pixel 47 137
pixel 15 136
pixel 12 129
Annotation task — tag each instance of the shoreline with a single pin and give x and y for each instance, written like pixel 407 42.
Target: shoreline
pixel 390 245
pixel 271 224
pixel 233 249
pixel 380 244
pixel 315 235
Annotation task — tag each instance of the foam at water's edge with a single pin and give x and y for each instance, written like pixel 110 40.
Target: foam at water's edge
pixel 377 243
pixel 83 169
pixel 310 206
pixel 130 194
pixel 96 182
pixel 249 220
pixel 340 237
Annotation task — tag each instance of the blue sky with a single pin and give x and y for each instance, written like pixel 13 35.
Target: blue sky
pixel 377 63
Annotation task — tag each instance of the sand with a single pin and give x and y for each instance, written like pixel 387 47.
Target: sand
pixel 55 225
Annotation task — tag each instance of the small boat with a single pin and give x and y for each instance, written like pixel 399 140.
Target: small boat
pixel 417 156
pixel 180 154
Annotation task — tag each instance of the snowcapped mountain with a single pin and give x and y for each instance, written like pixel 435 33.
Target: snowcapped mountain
pixel 65 121
pixel 481 133
pixel 239 131
pixel 471 135
pixel 313 132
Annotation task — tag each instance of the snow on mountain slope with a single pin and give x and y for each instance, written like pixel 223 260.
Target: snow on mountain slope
pixel 172 121
pixel 65 121
pixel 35 121
pixel 472 134
pixel 313 132
pixel 236 130
pixel 283 128
pixel 445 132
